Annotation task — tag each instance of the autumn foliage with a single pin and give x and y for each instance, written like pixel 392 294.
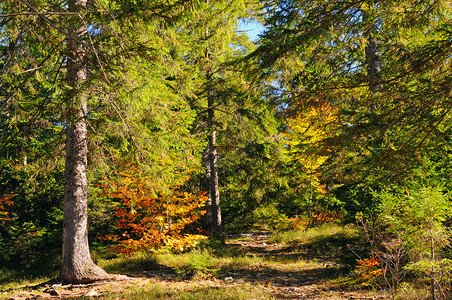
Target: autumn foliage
pixel 369 270
pixel 146 222
pixel 305 139
pixel 5 201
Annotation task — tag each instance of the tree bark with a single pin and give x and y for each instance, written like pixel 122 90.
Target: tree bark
pixel 372 56
pixel 373 64
pixel 205 186
pixel 77 265
pixel 213 204
pixel 214 193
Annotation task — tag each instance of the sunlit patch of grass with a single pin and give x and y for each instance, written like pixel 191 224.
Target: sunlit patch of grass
pixel 194 262
pixel 15 279
pixel 13 282
pixel 307 236
pixel 286 237
pixel 410 291
pixel 24 282
pixel 197 261
pixel 192 290
pixel 294 265
pixel 340 244
pixel 139 262
pixel 202 263
pixel 240 261
pixel 216 247
pixel 291 257
pixel 315 248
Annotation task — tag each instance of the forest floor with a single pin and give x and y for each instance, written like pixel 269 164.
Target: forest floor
pixel 263 268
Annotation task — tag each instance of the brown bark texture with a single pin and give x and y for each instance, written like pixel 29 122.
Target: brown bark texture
pixel 77 265
pixel 372 56
pixel 214 192
pixel 373 64
pixel 213 208
pixel 205 186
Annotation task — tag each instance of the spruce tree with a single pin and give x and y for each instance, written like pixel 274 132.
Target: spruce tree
pixel 90 44
pixel 382 64
pixel 215 40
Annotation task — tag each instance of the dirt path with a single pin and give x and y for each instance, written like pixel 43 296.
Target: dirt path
pixel 292 279
pixel 280 272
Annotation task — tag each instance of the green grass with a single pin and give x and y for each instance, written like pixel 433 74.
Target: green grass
pixel 342 245
pixel 137 263
pixel 192 291
pixel 196 262
pixel 308 236
pixel 12 279
pixel 190 275
pixel 306 249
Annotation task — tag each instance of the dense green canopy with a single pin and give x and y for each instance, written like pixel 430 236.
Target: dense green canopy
pixel 331 113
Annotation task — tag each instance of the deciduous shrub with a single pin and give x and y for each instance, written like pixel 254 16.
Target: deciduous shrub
pixel 149 222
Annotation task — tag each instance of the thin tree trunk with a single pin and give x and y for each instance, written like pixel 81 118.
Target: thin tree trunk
pixel 213 205
pixel 77 265
pixel 373 64
pixel 205 185
pixel 372 56
pixel 214 192
pixel 433 258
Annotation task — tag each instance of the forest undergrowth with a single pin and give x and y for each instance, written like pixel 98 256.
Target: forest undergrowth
pixel 318 263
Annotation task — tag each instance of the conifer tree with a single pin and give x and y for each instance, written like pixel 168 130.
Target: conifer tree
pixel 383 64
pixel 215 40
pixel 77 265
pixel 89 44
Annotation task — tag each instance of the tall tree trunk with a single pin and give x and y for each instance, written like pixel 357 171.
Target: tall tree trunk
pixel 213 204
pixel 205 185
pixel 214 193
pixel 77 265
pixel 373 64
pixel 372 57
